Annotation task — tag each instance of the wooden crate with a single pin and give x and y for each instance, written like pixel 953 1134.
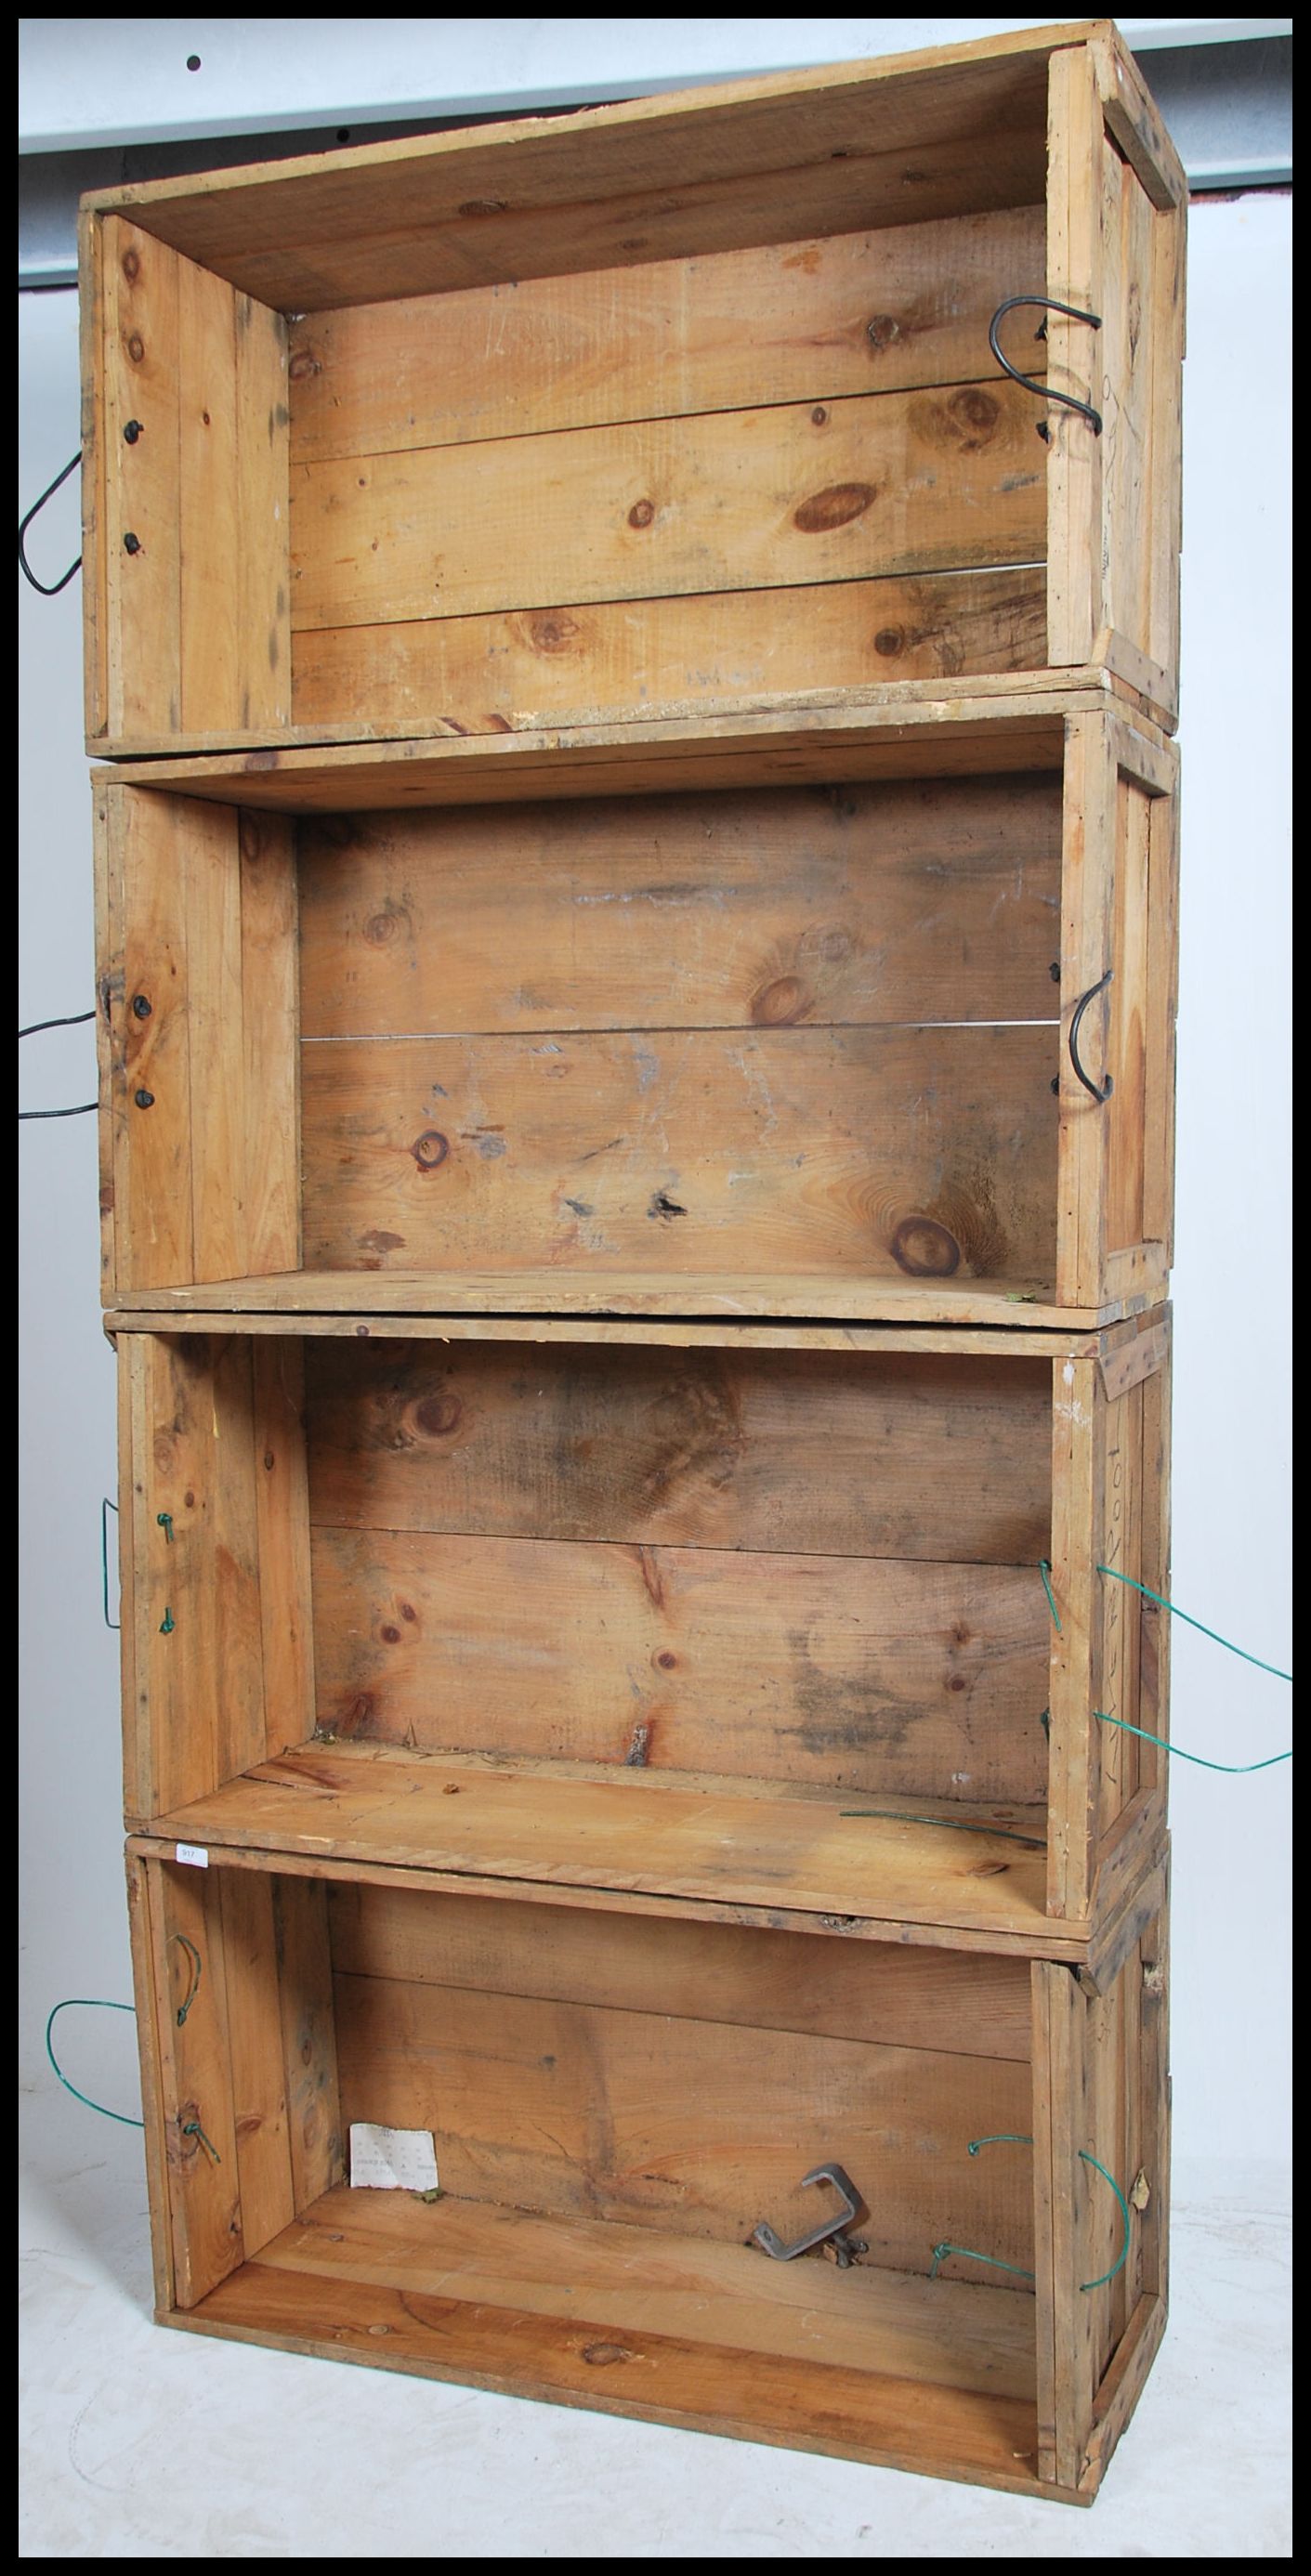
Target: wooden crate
pixel 615 2106
pixel 747 1619
pixel 782 1025
pixel 516 426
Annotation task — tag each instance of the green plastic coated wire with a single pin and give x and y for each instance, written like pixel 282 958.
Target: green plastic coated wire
pixel 90 2003
pixel 1199 1758
pixel 1189 1621
pixel 1044 1568
pixel 952 1824
pixel 193 2129
pixel 1016 2138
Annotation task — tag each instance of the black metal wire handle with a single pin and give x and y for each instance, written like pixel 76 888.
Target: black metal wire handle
pixel 1045 393
pixel 1100 1091
pixel 48 589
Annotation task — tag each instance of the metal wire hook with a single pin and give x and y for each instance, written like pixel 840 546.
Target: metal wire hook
pixel 1045 393
pixel 1101 1092
pixel 48 589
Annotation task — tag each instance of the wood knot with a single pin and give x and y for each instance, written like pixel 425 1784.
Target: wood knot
pixel 438 1415
pixel 641 514
pixel 304 364
pixel 881 330
pixel 601 2355
pixel 483 206
pixel 430 1149
pixel 780 1004
pixel 131 266
pixel 554 631
pixel 834 507
pixel 889 642
pixel 924 1249
pixel 136 348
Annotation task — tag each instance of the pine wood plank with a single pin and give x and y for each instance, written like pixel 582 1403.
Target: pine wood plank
pixel 527 1823
pixel 1075 359
pixel 262 587
pixel 259 2091
pixel 865 1151
pixel 1041 1977
pixel 1129 356
pixel 669 2282
pixel 561 664
pixel 816 736
pixel 573 2110
pixel 899 902
pixel 846 1672
pixel 92 353
pixel 151 1049
pixel 677 1333
pixel 212 645
pixel 868 484
pixel 143 499
pixel 107 862
pixel 1161 1010
pixel 888 1453
pixel 489 1304
pixel 909 2422
pixel 270 1022
pixel 957 2002
pixel 1074 1670
pixel 1115 1766
pixel 1133 118
pixel 1067 2127
pixel 852 314
pixel 283 1539
pixel 1087 951
pixel 309 234
pixel 196 2083
pixel 141 1881
pixel 309 2038
pixel 206 858
pixel 1168 305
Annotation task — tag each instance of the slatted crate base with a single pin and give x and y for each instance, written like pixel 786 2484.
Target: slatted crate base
pixel 614 2106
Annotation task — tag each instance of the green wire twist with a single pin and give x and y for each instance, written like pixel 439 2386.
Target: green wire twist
pixel 1200 1759
pixel 1044 1568
pixel 1189 1621
pixel 193 2129
pixel 91 2003
pixel 1015 2138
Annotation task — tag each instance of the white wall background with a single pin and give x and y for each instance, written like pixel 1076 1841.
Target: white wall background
pixel 1232 1557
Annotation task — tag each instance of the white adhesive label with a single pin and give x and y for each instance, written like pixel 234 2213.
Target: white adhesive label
pixel 391 2159
pixel 194 1855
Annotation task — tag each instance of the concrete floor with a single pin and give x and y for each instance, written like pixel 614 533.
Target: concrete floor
pixel 143 2444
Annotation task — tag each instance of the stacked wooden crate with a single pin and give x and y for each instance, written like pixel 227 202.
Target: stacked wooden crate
pixel 637 896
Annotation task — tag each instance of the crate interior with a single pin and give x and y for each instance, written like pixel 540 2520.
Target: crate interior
pixel 615 2105
pixel 598 415
pixel 773 1048
pixel 761 1627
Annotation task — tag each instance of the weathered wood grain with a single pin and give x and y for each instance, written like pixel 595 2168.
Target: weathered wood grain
pixel 575 2110
pixel 891 1455
pixel 905 902
pixel 477 675
pixel 950 2001
pixel 855 313
pixel 877 1152
pixel 747 500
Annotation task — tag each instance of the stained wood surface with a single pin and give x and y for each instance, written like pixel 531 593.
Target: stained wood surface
pixel 790 735
pixel 839 1671
pixel 904 902
pixel 867 1151
pixel 746 500
pixel 576 2111
pixel 727 167
pixel 196 2081
pixel 888 1454
pixel 196 608
pixel 966 1341
pixel 852 314
pixel 259 2078
pixel 198 968
pixel 581 2350
pixel 522 668
pixel 958 2002
pixel 531 1822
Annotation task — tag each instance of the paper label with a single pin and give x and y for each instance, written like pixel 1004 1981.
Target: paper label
pixel 391 2159
pixel 194 1855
